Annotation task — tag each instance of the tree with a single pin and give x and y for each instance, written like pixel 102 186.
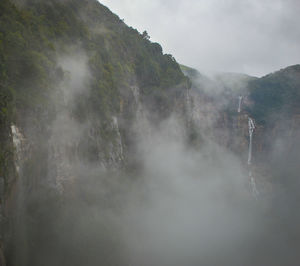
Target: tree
pixel 145 35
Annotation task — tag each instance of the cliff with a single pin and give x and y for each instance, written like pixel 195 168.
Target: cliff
pixel 223 105
pixel 81 94
pixel 75 82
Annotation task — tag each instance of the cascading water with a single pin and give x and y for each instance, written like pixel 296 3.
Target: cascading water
pixel 117 153
pixel 21 202
pixel 136 94
pixel 251 127
pixel 240 103
pixel 141 122
pixel 17 138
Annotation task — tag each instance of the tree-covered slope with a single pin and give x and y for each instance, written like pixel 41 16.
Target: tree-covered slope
pixel 275 95
pixel 35 35
pixel 52 50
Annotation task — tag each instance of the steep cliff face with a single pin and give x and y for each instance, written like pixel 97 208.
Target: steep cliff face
pixel 76 82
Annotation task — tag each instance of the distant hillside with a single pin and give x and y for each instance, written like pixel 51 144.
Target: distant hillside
pixel 271 97
pixel 234 82
pixel 275 95
pixel 198 81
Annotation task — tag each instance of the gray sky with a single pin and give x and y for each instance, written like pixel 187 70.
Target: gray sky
pixel 250 36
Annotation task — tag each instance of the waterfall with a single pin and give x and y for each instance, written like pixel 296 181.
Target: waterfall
pixel 21 233
pixel 136 95
pixel 18 139
pixel 240 103
pixel 117 153
pixel 251 127
pixel 65 135
pixel 141 125
pixel 18 143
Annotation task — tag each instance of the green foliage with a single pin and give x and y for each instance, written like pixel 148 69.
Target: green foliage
pixel 274 94
pixel 145 35
pixel 34 33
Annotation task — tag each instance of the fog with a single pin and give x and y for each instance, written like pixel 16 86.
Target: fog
pixel 185 202
pixel 193 204
pixel 182 208
pixel 184 205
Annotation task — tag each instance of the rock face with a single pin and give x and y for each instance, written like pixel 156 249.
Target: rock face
pixel 85 86
pixel 222 108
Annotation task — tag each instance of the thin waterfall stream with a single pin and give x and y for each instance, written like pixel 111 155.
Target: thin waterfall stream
pixel 240 103
pixel 251 127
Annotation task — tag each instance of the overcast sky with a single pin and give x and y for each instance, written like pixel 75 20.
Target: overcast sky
pixel 250 36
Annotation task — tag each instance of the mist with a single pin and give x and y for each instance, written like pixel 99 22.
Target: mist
pixel 182 208
pixel 184 205
pixel 115 171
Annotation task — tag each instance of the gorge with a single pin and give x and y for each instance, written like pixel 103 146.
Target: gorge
pixel 111 153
